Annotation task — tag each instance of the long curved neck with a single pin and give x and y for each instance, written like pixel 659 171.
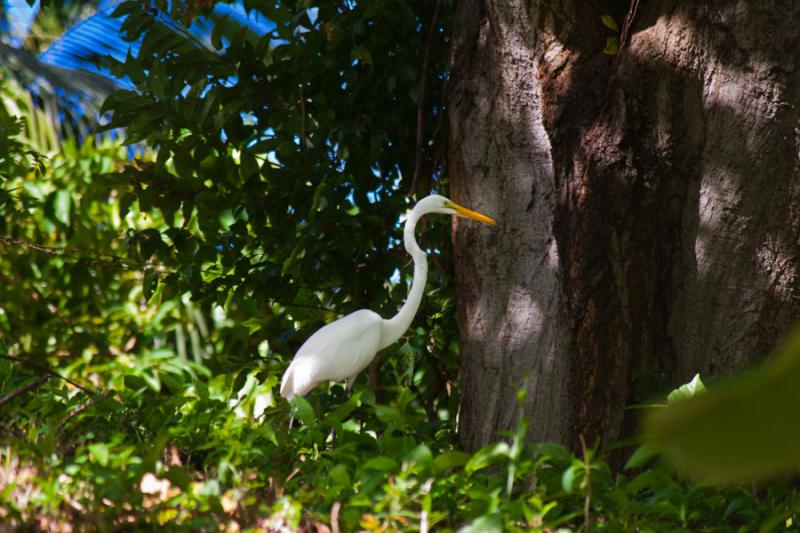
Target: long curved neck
pixel 394 327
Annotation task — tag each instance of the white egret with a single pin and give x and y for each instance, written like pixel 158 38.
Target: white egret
pixel 342 349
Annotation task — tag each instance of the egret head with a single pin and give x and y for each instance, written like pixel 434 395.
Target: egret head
pixel 439 204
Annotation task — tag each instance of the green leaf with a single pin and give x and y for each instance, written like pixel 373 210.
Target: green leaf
pixel 152 381
pixel 99 453
pixel 448 460
pixel 389 415
pixel 484 524
pixel 612 46
pixel 641 456
pixel 381 464
pixel 743 430
pixel 687 390
pixel 303 411
pixel 568 478
pixel 421 456
pixel 336 415
pixel 486 455
pixel 553 453
pixel 249 166
pixel 61 206
pixel 202 390
pixel 609 22
pixel 133 382
pixel 340 475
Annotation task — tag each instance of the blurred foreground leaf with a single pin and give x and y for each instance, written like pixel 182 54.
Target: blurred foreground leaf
pixel 745 430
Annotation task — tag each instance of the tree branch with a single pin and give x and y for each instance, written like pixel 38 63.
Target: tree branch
pixel 78 410
pixel 22 390
pixel 49 372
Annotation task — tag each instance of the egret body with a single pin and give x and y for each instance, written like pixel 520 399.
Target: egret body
pixel 342 349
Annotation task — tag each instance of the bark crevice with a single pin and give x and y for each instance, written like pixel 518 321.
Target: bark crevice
pixel 643 236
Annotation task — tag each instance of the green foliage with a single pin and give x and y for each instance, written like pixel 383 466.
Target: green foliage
pixel 200 452
pixel 744 430
pixel 279 175
pixel 148 306
pixel 612 42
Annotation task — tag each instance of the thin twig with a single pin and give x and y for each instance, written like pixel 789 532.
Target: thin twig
pixel 422 96
pixel 103 260
pixel 75 412
pixel 22 390
pixel 48 371
pixel 81 256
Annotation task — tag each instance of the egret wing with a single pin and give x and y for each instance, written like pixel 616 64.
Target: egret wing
pixel 336 352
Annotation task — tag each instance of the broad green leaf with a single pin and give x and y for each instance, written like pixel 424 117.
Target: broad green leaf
pixel 486 455
pixel 643 455
pixel 61 206
pixel 568 478
pixel 744 430
pixel 484 524
pixel 99 452
pixel 553 453
pixel 448 460
pixel 389 414
pixel 421 456
pixel 303 410
pixel 381 464
pixel 133 382
pixel 336 415
pixel 339 475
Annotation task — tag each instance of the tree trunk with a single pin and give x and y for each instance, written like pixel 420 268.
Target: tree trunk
pixel 647 204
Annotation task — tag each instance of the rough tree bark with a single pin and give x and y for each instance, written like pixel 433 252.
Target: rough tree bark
pixel 647 203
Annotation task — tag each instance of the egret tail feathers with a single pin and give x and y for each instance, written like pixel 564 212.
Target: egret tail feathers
pixel 296 381
pixel 287 384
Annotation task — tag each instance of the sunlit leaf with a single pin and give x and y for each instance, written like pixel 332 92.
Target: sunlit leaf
pixel 100 453
pixel 688 390
pixel 484 524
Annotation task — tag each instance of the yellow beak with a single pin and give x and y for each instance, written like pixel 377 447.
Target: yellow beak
pixel 468 213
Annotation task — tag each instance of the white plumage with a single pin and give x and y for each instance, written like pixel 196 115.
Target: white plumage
pixel 320 360
pixel 342 349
